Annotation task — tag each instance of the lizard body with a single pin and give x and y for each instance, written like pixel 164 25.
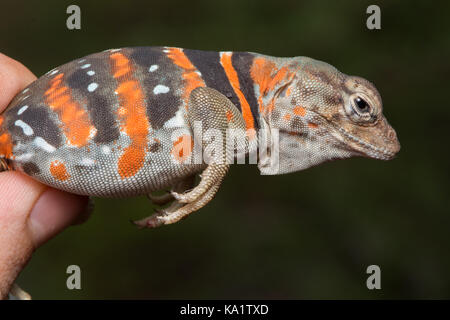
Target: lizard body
pixel 122 122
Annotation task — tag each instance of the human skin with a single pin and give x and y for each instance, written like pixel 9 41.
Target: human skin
pixel 30 212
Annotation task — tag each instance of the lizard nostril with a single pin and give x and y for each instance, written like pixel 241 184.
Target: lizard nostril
pixel 392 135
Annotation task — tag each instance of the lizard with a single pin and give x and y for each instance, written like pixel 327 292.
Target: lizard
pixel 123 122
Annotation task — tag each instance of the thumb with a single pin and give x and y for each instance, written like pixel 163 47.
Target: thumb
pixel 30 212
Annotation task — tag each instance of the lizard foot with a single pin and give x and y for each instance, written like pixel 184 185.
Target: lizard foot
pixel 176 211
pixel 212 176
pixel 182 212
pixel 157 219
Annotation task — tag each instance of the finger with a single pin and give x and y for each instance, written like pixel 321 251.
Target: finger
pixel 14 76
pixel 30 213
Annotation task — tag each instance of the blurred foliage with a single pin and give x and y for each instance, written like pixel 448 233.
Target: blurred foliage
pixel 310 234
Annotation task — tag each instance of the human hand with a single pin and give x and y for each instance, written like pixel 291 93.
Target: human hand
pixel 30 212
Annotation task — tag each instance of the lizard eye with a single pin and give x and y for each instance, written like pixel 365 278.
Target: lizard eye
pixel 360 110
pixel 360 105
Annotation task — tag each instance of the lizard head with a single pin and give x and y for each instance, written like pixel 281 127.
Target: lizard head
pixel 322 114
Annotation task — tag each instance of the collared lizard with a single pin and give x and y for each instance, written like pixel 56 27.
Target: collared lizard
pixel 121 122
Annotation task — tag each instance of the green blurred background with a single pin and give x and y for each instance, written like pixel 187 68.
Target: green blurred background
pixel 310 234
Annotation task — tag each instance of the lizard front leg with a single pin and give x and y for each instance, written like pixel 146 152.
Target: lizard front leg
pixel 214 111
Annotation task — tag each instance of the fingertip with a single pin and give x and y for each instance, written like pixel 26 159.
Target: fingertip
pixel 32 210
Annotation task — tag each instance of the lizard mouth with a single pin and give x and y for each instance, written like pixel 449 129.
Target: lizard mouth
pixel 367 149
pixel 358 145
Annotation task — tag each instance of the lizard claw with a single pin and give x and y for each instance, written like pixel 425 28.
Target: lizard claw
pixel 154 221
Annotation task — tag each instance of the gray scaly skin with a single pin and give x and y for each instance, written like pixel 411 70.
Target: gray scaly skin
pixel 121 122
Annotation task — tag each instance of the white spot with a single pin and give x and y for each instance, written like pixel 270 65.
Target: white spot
pixel 176 121
pixel 85 66
pixel 24 157
pixel 23 98
pixel 90 73
pixel 115 92
pixel 54 72
pixel 92 87
pixel 25 127
pixel 115 50
pixel 81 61
pixel 26 90
pixel 106 150
pixel 153 68
pixel 87 162
pixel 160 89
pixel 44 145
pixel 22 110
pixel 199 73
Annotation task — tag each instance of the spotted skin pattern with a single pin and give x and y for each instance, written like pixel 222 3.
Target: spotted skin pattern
pixel 120 122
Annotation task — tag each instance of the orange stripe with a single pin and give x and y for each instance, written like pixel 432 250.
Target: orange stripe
pixel 131 114
pixel 191 77
pixel 225 60
pixel 262 72
pixel 74 119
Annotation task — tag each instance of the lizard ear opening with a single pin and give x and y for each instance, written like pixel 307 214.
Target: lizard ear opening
pixel 286 87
